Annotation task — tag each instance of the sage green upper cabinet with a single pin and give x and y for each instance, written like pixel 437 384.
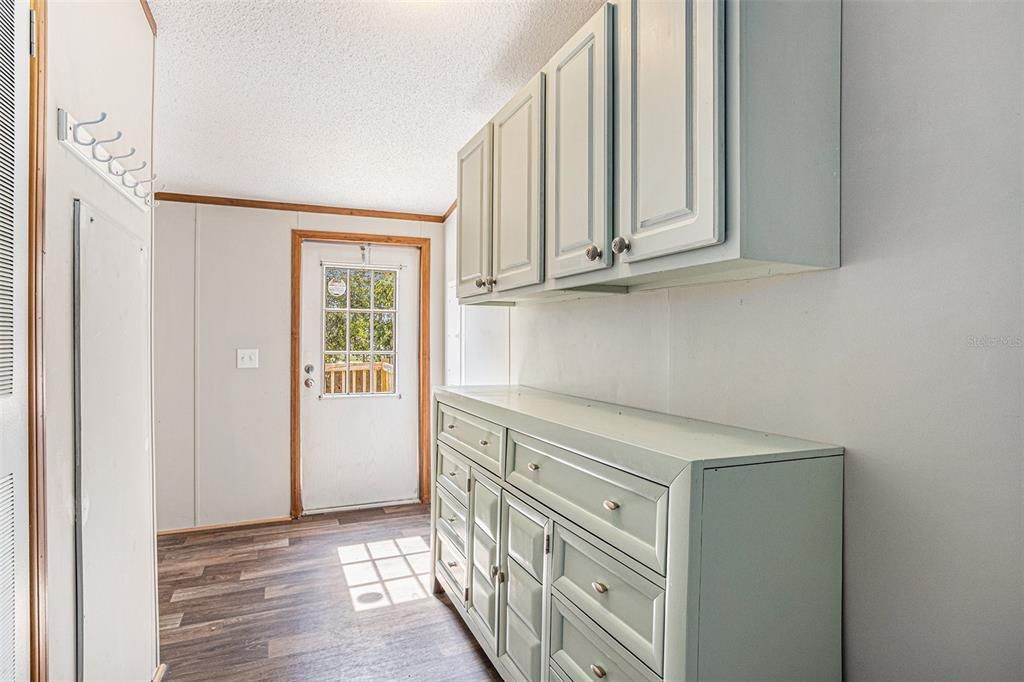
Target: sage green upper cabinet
pixel 518 252
pixel 670 137
pixel 473 248
pixel 579 150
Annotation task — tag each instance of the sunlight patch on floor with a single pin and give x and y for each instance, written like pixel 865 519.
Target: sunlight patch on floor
pixel 386 572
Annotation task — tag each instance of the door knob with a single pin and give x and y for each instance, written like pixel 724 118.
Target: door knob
pixel 309 369
pixel 620 245
pixel 592 252
pixel 309 382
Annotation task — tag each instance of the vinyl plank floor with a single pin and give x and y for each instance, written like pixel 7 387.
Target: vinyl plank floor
pixel 342 596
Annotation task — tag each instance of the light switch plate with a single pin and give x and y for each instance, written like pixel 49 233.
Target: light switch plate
pixel 247 358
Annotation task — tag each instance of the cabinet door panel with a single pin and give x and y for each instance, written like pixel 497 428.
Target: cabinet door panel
pixel 518 181
pixel 579 150
pixel 473 240
pixel 670 136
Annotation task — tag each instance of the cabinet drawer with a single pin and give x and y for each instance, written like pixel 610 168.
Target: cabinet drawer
pixel 451 518
pixel 627 605
pixel 478 439
pixel 585 654
pixel 452 474
pixel 522 647
pixel 525 596
pixel 451 565
pixel 525 536
pixel 626 511
pixel 486 506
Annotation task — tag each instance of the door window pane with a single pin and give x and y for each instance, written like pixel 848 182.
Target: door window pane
pixel 359 330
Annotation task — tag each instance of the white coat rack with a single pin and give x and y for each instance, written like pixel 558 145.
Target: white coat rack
pixel 118 169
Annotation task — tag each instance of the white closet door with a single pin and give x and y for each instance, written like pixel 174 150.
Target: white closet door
pixel 473 237
pixel 518 251
pixel 670 132
pixel 579 151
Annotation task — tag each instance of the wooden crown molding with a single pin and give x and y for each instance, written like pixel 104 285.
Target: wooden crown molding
pixel 451 209
pixel 149 15
pixel 288 206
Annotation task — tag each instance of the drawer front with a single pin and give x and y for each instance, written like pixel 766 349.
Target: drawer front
pixel 626 511
pixel 451 564
pixel 452 474
pixel 525 596
pixel 522 647
pixel 627 605
pixel 480 440
pixel 555 676
pixel 525 537
pixel 584 654
pixel 486 506
pixel 451 517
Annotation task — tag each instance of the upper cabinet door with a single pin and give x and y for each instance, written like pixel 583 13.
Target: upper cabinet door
pixel 473 240
pixel 518 189
pixel 670 129
pixel 579 216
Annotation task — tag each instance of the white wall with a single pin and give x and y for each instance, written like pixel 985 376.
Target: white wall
pixel 222 433
pixel 910 355
pixel 100 58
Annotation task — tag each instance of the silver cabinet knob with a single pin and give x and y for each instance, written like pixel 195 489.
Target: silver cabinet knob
pixel 620 245
pixel 494 572
pixel 480 283
pixel 600 588
pixel 597 671
pixel 490 281
pixel 309 382
pixel 453 474
pixel 452 564
pixel 451 426
pixel 483 443
pixel 611 505
pixel 532 467
pixel 592 252
pixel 451 519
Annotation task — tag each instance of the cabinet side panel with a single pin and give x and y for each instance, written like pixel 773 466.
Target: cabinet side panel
pixel 784 71
pixel 771 571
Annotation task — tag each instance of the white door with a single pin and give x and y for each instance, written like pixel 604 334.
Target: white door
pixel 360 375
pixel 14 603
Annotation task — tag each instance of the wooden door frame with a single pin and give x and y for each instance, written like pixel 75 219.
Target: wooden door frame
pixel 423 244
pixel 38 656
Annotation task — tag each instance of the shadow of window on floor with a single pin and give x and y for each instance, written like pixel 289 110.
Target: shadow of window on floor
pixel 386 572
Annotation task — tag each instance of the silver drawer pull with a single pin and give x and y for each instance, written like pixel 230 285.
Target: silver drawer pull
pixel 484 443
pixel 597 670
pixel 494 572
pixel 452 564
pixel 453 474
pixel 611 505
pixel 451 426
pixel 451 519
pixel 532 467
pixel 600 588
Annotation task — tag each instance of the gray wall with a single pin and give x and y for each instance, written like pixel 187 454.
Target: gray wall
pixel 911 355
pixel 222 278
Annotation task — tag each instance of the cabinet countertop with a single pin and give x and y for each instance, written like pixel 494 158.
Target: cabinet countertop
pixel 638 440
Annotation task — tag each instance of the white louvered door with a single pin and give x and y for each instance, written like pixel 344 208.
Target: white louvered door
pixel 14 63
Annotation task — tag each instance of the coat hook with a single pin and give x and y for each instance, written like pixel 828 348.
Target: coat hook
pixel 113 158
pixel 125 171
pixel 74 130
pixel 97 143
pixel 138 182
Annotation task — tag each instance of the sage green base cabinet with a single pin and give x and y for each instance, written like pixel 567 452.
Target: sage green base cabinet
pixel 686 142
pixel 586 541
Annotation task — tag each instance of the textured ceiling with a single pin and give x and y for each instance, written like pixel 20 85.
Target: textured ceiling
pixel 361 104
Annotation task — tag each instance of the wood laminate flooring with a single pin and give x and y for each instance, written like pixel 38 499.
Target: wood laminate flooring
pixel 343 596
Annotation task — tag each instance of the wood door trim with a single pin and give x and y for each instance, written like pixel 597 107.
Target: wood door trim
pixel 149 15
pixel 38 655
pixel 423 244
pixel 303 208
